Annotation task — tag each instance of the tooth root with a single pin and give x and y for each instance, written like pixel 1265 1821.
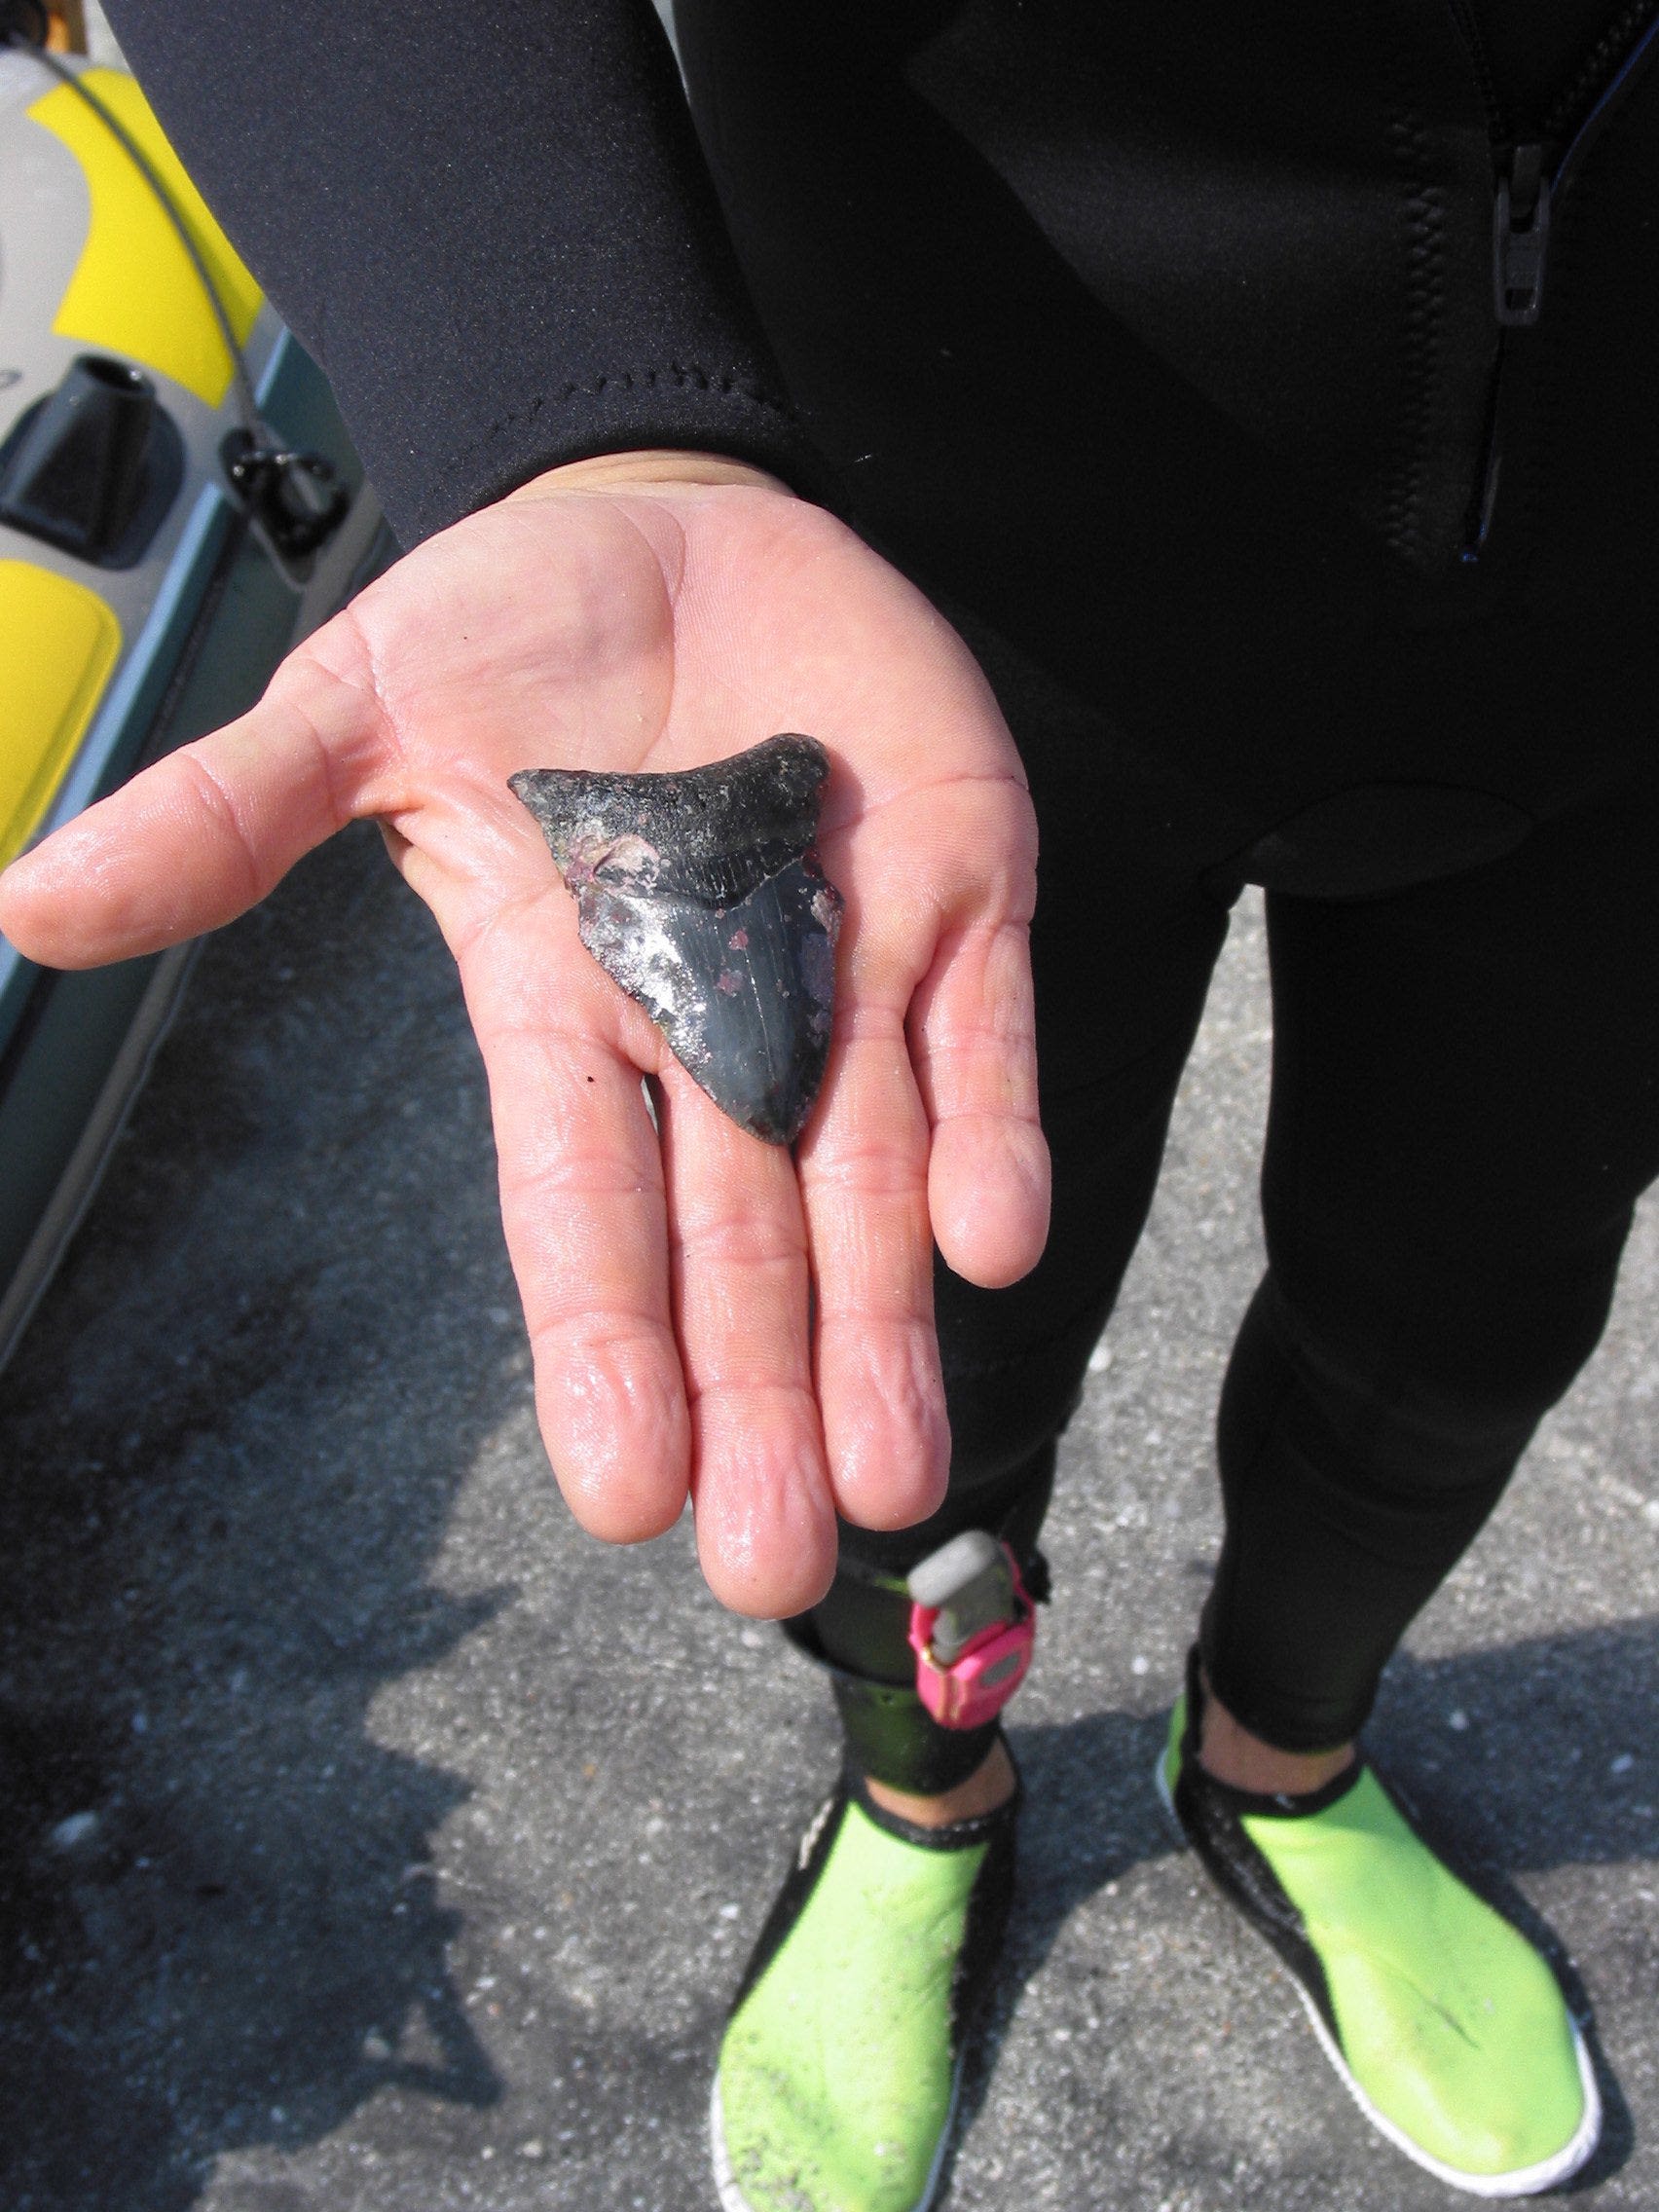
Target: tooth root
pixel 701 894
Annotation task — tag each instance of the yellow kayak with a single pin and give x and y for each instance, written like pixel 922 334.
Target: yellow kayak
pixel 179 503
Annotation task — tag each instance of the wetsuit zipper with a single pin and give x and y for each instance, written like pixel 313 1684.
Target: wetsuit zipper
pixel 1530 173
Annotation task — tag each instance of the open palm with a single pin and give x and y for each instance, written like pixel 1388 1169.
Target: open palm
pixel 708 1313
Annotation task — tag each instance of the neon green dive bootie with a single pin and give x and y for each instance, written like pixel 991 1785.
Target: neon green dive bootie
pixel 1449 2029
pixel 841 2059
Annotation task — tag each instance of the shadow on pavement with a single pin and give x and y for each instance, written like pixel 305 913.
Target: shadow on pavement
pixel 228 1468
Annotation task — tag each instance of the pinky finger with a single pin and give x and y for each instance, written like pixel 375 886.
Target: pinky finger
pixel 972 1042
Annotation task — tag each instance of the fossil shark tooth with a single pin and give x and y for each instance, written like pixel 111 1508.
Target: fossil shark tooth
pixel 702 894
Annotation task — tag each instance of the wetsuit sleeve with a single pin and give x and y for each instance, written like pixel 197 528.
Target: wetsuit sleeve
pixel 487 219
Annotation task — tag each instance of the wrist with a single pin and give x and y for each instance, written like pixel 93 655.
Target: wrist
pixel 611 471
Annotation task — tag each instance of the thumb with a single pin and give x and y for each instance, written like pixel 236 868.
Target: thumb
pixel 204 833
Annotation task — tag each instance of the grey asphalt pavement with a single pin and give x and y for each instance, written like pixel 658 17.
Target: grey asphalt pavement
pixel 375 1841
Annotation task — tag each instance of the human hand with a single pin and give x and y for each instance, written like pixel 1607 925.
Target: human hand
pixel 707 1313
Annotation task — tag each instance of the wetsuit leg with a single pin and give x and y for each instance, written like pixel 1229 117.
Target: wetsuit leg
pixel 1465 1106
pixel 1123 945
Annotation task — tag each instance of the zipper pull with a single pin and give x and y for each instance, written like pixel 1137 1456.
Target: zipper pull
pixel 1520 237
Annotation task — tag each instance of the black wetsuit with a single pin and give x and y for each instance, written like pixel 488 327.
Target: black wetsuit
pixel 1162 346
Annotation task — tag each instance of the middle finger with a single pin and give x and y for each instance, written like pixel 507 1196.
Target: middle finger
pixel 740 1290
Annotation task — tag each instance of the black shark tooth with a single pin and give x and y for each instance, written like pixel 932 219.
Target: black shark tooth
pixel 701 893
